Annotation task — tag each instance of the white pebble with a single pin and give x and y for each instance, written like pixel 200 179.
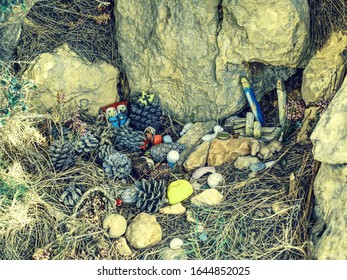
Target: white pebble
pixel 176 243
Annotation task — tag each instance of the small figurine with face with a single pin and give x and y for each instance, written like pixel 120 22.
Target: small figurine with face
pixel 149 134
pixel 122 111
pixel 111 116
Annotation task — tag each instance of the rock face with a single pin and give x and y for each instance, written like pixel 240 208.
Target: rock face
pixel 330 135
pixel 143 231
pixel 325 70
pixel 330 190
pixel 225 151
pixel 274 32
pixel 10 30
pixel 65 71
pixel 183 52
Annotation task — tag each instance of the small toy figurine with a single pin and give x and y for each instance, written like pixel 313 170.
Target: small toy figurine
pixel 252 101
pixel 111 116
pixel 116 113
pixel 172 157
pixel 282 100
pixel 151 138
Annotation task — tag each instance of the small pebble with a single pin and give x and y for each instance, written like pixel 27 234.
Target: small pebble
pixel 176 243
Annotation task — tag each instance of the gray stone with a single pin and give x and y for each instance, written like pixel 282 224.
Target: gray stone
pixel 197 158
pixel 192 53
pixel 143 231
pixel 243 162
pixel 122 247
pixel 209 197
pixel 175 209
pixel 171 254
pixel 193 137
pixel 65 71
pixel 330 189
pixel 330 134
pixel 324 73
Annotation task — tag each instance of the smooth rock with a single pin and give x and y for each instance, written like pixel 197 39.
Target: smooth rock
pixel 244 162
pixel 330 232
pixel 210 197
pixel 192 138
pixel 330 134
pixel 144 231
pixel 122 247
pixel 176 243
pixel 116 225
pixel 198 157
pixel 167 139
pixel 65 71
pixel 170 254
pixel 214 180
pixel 192 60
pixel 225 151
pixel 324 73
pixel 202 171
pixel 175 209
pixel 178 191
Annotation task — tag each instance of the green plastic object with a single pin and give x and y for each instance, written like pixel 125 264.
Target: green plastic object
pixel 178 191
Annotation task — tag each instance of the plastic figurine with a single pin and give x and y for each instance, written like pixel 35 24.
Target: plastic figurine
pixel 282 100
pixel 151 138
pixel 252 101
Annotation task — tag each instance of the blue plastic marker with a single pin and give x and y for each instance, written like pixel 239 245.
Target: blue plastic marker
pixel 252 101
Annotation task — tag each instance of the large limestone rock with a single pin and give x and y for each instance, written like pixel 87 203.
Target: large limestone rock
pixel 10 30
pixel 273 32
pixel 192 53
pixel 324 72
pixel 143 231
pixel 330 134
pixel 330 189
pixel 65 71
pixel 225 151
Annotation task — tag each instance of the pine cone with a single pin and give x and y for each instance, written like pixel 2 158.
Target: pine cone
pixel 148 195
pixel 117 166
pixel 62 155
pixel 71 195
pixel 127 139
pixel 87 144
pixel 105 151
pixel 160 151
pixel 161 171
pixel 142 116
pixel 63 133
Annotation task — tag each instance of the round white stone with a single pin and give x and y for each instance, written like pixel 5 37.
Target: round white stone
pixel 176 243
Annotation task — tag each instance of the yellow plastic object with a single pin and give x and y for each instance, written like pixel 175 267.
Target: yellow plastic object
pixel 178 191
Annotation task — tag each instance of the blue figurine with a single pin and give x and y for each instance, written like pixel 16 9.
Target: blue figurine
pixel 252 101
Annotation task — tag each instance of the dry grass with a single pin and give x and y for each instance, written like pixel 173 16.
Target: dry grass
pixel 36 225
